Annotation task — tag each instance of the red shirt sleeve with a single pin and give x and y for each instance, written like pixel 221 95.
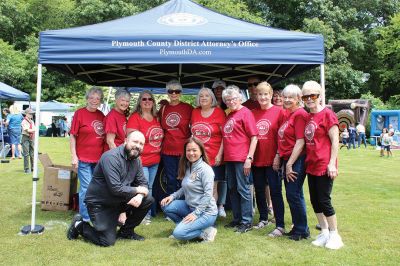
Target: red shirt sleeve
pixel 299 124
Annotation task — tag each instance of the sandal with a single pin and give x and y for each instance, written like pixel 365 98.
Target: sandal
pixel 261 224
pixel 278 232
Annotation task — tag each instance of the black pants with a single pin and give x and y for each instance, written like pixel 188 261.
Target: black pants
pixel 260 179
pixel 105 221
pixel 320 188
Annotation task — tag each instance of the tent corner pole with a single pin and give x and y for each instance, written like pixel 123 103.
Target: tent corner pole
pixel 34 228
pixel 322 76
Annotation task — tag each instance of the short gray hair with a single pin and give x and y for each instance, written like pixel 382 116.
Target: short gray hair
pixel 291 90
pixel 122 93
pixel 214 100
pixel 232 90
pixel 94 90
pixel 173 84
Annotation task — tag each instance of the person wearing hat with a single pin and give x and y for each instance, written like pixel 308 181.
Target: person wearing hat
pixel 175 120
pixel 217 88
pixel 28 133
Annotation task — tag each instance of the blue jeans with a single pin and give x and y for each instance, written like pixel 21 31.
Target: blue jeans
pixel 275 188
pixel 171 164
pixel 240 194
pixel 352 141
pixel 150 174
pixel 361 138
pixel 295 196
pixel 85 173
pixel 177 210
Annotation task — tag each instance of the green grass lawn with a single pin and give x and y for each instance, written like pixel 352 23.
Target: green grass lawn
pixel 366 197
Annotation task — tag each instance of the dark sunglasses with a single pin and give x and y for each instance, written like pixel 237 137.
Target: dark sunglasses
pixel 174 91
pixel 311 96
pixel 253 84
pixel 147 99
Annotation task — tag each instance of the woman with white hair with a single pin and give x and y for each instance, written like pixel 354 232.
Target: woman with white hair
pixel 322 145
pixel 87 142
pixel 206 125
pixel 292 153
pixel 175 120
pixel 240 141
pixel 115 120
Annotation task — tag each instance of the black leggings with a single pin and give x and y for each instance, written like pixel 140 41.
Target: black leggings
pixel 320 188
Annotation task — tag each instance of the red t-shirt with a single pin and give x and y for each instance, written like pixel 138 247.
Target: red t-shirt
pixel 115 123
pixel 318 143
pixel 88 129
pixel 153 134
pixel 237 132
pixel 208 130
pixel 292 129
pixel 251 105
pixel 267 122
pixel 175 120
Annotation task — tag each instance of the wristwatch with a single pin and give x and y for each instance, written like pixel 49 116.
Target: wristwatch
pixel 249 157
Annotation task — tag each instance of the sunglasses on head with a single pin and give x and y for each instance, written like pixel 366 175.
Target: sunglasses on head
pixel 310 96
pixel 253 84
pixel 147 99
pixel 174 91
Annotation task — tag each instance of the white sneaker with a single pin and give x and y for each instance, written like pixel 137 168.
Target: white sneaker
pixel 209 234
pixel 335 241
pixel 171 236
pixel 221 212
pixel 321 239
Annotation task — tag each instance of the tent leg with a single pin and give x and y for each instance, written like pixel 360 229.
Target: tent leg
pixel 322 74
pixel 34 228
pixel 3 147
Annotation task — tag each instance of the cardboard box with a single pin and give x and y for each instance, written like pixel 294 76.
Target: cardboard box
pixel 59 185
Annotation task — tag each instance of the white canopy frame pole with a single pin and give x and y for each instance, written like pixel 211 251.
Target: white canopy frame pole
pixel 33 228
pixel 322 74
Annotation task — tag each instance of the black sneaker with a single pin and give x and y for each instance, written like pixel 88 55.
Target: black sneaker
pixel 297 237
pixel 232 224
pixel 243 228
pixel 290 233
pixel 129 235
pixel 73 231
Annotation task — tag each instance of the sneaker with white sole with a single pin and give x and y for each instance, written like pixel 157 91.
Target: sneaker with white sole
pixel 261 224
pixel 335 241
pixel 278 232
pixel 221 212
pixel 321 239
pixel 209 234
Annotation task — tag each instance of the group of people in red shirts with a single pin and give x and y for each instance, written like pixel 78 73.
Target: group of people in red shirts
pixel 267 139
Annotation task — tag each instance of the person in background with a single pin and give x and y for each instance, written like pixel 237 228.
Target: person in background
pixel 28 133
pixel 206 125
pixel 115 120
pixel 352 136
pixel 240 140
pixel 252 102
pixel 277 98
pixel 361 135
pixel 345 137
pixel 175 120
pixel 217 87
pixel 322 143
pixel 87 142
pixel 386 141
pixel 268 119
pixel 66 126
pixel 144 119
pixel 292 154
pixel 13 123
pixel 391 129
pixel 194 215
pixel 61 126
pixel 54 129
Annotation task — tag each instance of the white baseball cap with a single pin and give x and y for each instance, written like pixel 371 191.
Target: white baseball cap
pixel 219 83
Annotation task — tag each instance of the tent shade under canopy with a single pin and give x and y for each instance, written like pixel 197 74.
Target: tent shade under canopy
pixel 9 93
pixel 179 39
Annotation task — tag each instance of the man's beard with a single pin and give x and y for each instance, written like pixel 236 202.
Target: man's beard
pixel 132 153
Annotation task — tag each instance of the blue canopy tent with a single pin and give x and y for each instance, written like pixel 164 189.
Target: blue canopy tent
pixel 178 39
pixel 9 93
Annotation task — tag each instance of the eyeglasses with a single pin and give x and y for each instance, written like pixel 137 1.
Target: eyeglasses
pixel 174 91
pixel 311 96
pixel 253 84
pixel 231 100
pixel 147 99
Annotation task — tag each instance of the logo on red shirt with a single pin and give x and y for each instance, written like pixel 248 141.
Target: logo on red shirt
pixel 309 130
pixel 282 129
pixel 155 137
pixel 263 127
pixel 98 127
pixel 228 128
pixel 173 119
pixel 201 131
